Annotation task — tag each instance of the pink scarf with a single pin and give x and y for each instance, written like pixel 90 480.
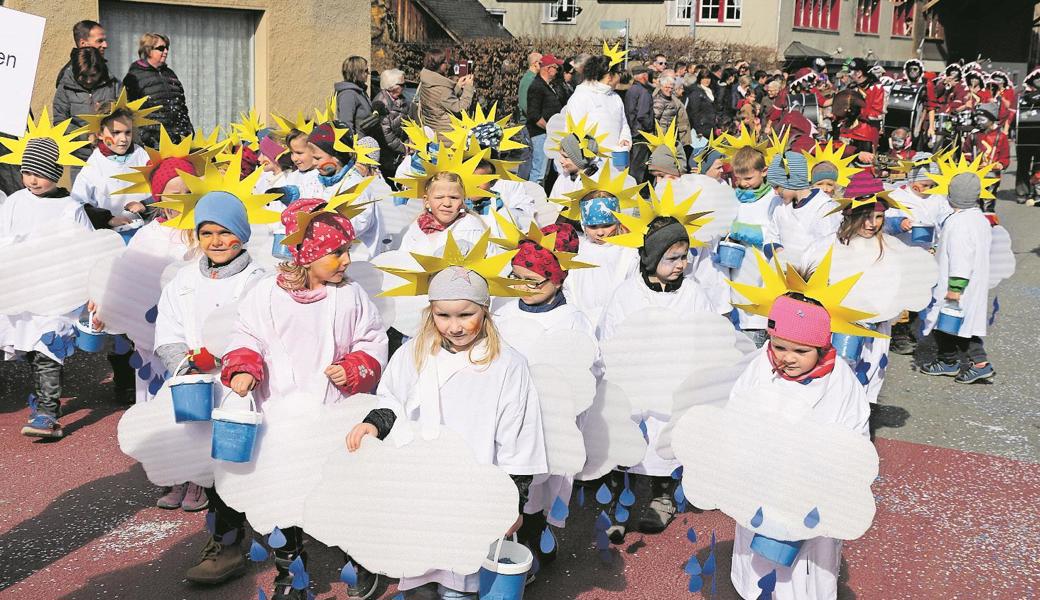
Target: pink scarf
pixel 303 296
pixel 822 368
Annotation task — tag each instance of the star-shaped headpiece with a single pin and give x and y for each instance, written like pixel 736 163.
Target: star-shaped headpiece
pixel 615 186
pixel 42 128
pixel 660 206
pixel 488 267
pixel 139 114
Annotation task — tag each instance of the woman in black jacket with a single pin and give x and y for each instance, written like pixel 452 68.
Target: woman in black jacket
pixel 85 88
pixel 151 77
pixel 700 107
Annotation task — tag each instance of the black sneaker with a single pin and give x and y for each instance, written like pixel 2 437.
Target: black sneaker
pixel 657 515
pixel 369 585
pixel 903 347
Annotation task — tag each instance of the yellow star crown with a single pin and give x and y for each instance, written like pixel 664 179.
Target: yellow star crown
pixel 138 114
pixel 584 131
pixel 513 237
pixel 215 180
pixel 728 144
pixel 777 145
pixel 285 124
pixel 833 154
pixel 345 204
pixel 140 179
pixel 363 154
pixel 463 135
pixel 615 54
pixel 615 186
pixel 488 267
pixel 948 169
pixel 660 206
pixel 211 141
pixel 247 129
pixel 451 161
pixel 854 203
pixel 776 282
pixel 668 139
pixel 418 140
pixel 66 141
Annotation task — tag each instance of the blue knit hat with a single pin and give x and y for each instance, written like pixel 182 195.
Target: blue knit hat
pixel 795 176
pixel 597 211
pixel 225 210
pixel 707 161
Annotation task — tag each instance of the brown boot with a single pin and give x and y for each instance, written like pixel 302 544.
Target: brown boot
pixel 217 564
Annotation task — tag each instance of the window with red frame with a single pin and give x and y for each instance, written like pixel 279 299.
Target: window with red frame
pixel 868 13
pixel 817 14
pixel 718 11
pixel 903 19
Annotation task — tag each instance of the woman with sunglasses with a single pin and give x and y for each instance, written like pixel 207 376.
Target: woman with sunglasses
pixel 151 76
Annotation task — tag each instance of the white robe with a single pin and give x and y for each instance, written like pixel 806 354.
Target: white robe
pixel 797 228
pixel 836 398
pixel 298 341
pixel 632 296
pixel 590 289
pixel 493 407
pixel 604 109
pixel 930 211
pixel 517 201
pixel 468 229
pixel 368 226
pixel 96 182
pixel 306 181
pixel 749 229
pixel 964 251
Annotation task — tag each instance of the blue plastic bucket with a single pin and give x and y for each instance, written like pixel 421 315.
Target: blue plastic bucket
pixel 778 551
pixel 234 434
pixel 505 571
pixel 278 249
pixel 620 159
pixel 848 347
pixel 950 320
pixel 88 339
pixel 130 229
pixel 922 234
pixel 192 397
pixel 731 254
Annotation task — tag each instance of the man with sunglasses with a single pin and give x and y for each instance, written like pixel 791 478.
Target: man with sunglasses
pixel 542 103
pixel 659 65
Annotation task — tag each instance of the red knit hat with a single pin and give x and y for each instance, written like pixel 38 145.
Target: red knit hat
pixel 540 260
pixel 863 184
pixel 800 322
pixel 326 232
pixel 166 171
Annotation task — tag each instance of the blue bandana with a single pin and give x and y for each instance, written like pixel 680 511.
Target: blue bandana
pixel 597 211
pixel 225 210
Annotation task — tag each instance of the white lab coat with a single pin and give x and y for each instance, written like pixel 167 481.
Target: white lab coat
pixel 930 211
pixel 466 231
pixel 836 398
pixel 96 182
pixel 368 226
pixel 748 229
pixel 493 407
pixel 604 109
pixel 590 289
pixel 797 228
pixel 964 251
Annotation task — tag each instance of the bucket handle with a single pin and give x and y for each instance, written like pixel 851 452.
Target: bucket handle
pixel 498 547
pixel 184 360
pixel 252 400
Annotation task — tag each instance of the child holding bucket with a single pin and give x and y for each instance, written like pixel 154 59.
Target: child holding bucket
pixel 309 329
pixel 490 400
pixel 42 154
pixel 957 317
pixel 223 275
pixel 805 214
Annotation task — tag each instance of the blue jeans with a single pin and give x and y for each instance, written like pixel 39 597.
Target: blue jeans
pixel 538 159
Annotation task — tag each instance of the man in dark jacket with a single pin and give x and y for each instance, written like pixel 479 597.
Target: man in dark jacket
pixel 542 103
pixel 85 34
pixel 639 109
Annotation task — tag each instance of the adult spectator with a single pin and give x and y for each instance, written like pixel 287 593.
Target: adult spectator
pixel 700 105
pixel 596 99
pixel 85 34
pixel 740 91
pixel 716 78
pixel 759 83
pixel 579 68
pixel 668 108
pixel 352 103
pixel 391 94
pixel 534 60
pixel 440 97
pixel 564 82
pixel 542 103
pixel 151 76
pixel 84 89
pixel 724 95
pixel 660 63
pixel 681 67
pixel 639 109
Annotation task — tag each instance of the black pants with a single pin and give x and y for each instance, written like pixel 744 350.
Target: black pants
pixel 227 519
pixel 1026 155
pixel 47 379
pixel 638 157
pixel 960 350
pixel 122 373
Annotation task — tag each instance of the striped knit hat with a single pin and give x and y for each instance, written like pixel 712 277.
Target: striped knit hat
pixel 794 175
pixel 41 159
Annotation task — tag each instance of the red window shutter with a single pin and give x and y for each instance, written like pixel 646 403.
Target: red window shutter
pixel 835 10
pixel 875 15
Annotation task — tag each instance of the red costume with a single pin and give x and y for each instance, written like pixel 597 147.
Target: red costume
pixel 992 145
pixel 951 99
pixel 867 127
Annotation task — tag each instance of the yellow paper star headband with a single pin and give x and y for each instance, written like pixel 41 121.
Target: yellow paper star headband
pixel 448 160
pixel 728 144
pixel 483 132
pixel 668 139
pixel 211 141
pixel 417 138
pixel 140 179
pixel 42 130
pixel 138 114
pixel 585 132
pixel 347 204
pixel 285 125
pixel 660 206
pixel 948 169
pixel 547 241
pixel 216 180
pixel 776 282
pixel 614 186
pixel 247 129
pixel 833 154
pixel 615 54
pixel 488 267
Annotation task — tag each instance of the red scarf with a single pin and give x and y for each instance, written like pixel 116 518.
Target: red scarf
pixel 104 149
pixel 428 224
pixel 822 368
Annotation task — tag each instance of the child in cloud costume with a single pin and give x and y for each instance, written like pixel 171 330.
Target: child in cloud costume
pixel 804 216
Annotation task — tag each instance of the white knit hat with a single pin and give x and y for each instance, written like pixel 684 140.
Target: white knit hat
pixel 459 283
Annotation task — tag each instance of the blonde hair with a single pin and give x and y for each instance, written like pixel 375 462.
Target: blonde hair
pixel 148 42
pixel 429 340
pixel 748 159
pixel 446 176
pixel 291 276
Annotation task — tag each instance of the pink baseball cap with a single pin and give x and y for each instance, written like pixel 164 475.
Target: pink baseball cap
pixel 549 59
pixel 800 322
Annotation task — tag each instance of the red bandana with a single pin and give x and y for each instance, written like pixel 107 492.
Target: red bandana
pixel 428 224
pixel 822 368
pixel 325 234
pixel 542 261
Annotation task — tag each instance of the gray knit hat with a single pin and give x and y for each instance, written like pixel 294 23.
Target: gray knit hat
pixel 920 171
pixel 571 146
pixel 965 189
pixel 663 161
pixel 459 283
pixel 41 159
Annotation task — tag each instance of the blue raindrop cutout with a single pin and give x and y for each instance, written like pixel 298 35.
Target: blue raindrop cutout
pixel 602 541
pixel 883 362
pixel 276 539
pixel 581 495
pixel 120 345
pixel 135 361
pixel 155 386
pixel 709 564
pixel 257 553
pixel 559 510
pixel 621 513
pixel 628 497
pixel 758 518
pixel 642 427
pixel 768 582
pixel 301 581
pixel 602 521
pixel 152 314
pixel 145 372
pixel 681 507
pixel 677 473
pixel 603 495
pixel 680 495
pixel 813 518
pixel 691 535
pixel 696 583
pixel 260 595
pixel 693 566
pixel 348 574
pixel 296 567
pixel 547 543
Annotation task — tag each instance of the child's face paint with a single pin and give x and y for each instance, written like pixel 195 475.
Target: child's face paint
pixel 871 225
pixel 444 200
pixel 673 263
pixel 218 244
pixel 326 164
pixel 39 186
pixel 792 358
pixel 458 321
pixel 331 268
pixel 301 154
pixel 118 135
pixel 596 233
pixel 534 295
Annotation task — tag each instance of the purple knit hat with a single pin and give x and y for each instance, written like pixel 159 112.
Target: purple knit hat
pixel 863 184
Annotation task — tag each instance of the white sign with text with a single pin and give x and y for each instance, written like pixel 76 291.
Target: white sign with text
pixel 21 36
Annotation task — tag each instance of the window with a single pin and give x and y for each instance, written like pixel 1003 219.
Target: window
pixel 867 16
pixel 560 11
pixel 933 29
pixel 717 11
pixel 903 19
pixel 680 11
pixel 817 14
